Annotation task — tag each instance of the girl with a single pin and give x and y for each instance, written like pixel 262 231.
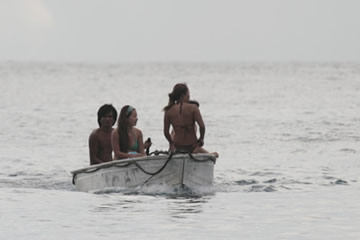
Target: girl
pixel 127 140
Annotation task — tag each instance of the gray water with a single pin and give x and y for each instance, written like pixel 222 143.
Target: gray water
pixel 287 134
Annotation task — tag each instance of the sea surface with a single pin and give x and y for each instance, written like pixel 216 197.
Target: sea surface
pixel 288 135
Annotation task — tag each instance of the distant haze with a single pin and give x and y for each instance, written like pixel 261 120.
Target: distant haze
pixel 182 30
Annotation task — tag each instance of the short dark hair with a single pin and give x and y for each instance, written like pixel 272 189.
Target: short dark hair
pixel 105 109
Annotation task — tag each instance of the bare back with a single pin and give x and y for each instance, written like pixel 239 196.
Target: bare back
pixel 183 118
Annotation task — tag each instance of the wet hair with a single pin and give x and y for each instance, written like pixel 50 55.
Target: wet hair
pixel 105 109
pixel 122 127
pixel 175 96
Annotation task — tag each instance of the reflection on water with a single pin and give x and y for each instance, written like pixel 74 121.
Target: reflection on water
pixel 119 203
pixel 182 207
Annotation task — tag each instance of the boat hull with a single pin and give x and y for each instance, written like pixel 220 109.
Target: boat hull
pixel 183 170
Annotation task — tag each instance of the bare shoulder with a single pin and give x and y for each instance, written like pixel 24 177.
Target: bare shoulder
pixel 94 136
pixel 138 131
pixel 192 107
pixel 170 110
pixel 94 133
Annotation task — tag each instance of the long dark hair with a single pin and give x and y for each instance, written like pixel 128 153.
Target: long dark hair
pixel 123 127
pixel 175 96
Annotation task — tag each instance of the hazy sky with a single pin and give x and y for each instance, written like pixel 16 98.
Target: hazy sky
pixel 180 30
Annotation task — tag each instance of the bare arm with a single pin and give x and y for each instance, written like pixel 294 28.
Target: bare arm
pixel 141 143
pixel 94 149
pixel 166 132
pixel 166 129
pixel 200 122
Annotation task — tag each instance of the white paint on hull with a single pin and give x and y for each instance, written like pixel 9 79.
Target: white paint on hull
pixel 193 171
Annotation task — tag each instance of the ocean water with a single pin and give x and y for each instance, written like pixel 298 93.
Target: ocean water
pixel 288 135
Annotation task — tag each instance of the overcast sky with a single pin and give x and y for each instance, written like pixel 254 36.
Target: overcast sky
pixel 180 30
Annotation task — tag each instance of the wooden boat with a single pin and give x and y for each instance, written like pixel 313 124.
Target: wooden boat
pixel 191 171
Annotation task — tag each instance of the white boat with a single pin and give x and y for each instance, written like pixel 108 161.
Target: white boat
pixel 191 171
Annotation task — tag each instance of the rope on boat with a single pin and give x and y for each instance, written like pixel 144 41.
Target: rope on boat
pixel 98 168
pixel 157 152
pixel 138 166
pixel 192 156
pixel 168 160
pixel 160 169
pixel 126 165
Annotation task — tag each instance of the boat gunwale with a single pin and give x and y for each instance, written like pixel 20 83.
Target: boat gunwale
pixel 146 158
